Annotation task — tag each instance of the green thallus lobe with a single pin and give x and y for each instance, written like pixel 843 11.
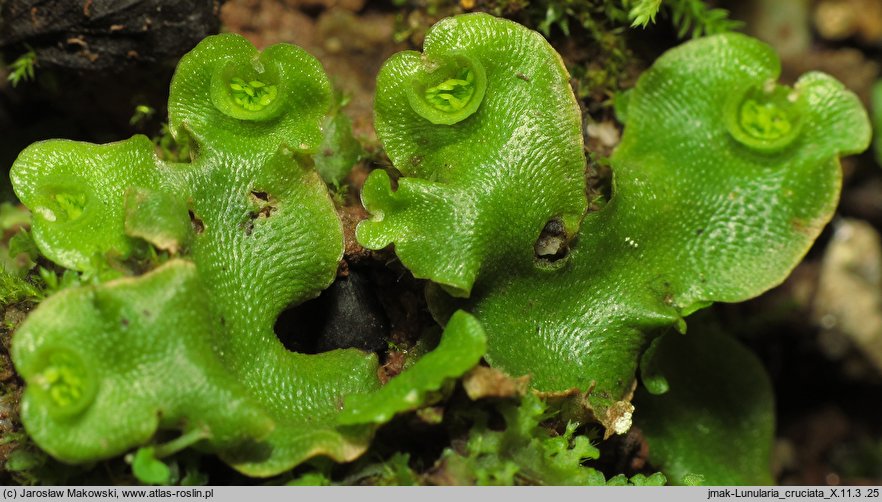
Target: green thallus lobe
pixel 213 307
pixel 487 178
pixel 722 180
pixel 207 314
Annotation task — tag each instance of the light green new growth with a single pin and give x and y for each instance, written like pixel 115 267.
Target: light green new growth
pixel 460 350
pixel 643 12
pixel 689 17
pixel 142 113
pixel 655 479
pixel 763 120
pixel 65 381
pixel 526 452
pixel 523 453
pixel 698 215
pixel 189 346
pixel 22 69
pixel 453 94
pixel 252 96
pixel 148 469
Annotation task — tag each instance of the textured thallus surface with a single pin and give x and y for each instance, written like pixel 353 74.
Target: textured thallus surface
pixel 475 193
pixel 696 216
pixel 191 344
pixel 717 420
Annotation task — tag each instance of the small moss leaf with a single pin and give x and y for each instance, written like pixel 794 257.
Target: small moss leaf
pixel 14 289
pixel 486 131
pixel 718 418
pixel 462 345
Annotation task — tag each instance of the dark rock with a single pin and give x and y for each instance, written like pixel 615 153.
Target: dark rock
pixel 92 35
pixel 96 60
